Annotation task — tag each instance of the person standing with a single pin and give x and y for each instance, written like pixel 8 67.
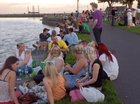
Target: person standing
pixel 97 22
pixel 134 13
pixel 113 15
pixel 129 18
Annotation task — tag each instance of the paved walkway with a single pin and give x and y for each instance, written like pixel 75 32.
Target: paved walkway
pixel 127 46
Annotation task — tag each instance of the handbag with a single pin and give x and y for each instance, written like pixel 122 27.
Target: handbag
pixel 91 94
pixel 76 95
pixel 28 98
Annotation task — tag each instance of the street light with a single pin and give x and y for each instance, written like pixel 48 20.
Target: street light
pixel 78 5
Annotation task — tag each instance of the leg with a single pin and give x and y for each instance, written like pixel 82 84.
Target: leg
pixel 49 91
pixel 97 34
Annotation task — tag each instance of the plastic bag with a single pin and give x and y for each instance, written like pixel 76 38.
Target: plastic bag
pixel 91 94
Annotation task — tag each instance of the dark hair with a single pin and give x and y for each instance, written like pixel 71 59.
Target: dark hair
pixel 71 29
pixel 54 32
pixel 45 29
pixel 8 63
pixel 103 49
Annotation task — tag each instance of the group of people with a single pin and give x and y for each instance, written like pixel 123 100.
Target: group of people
pixel 94 63
pixel 129 17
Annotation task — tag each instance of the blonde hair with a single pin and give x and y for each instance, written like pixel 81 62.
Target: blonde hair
pixel 78 49
pixel 90 53
pixel 50 71
pixel 56 46
pixel 94 5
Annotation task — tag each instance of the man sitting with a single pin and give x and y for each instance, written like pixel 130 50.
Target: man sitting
pixel 42 44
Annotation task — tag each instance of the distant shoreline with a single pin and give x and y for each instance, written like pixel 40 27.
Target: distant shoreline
pixel 30 15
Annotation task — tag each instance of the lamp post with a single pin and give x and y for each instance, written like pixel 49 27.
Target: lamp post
pixel 78 5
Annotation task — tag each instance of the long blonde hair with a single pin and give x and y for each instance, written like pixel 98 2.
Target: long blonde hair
pixel 90 53
pixel 50 71
pixel 78 49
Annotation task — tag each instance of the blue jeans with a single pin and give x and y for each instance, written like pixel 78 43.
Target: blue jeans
pixel 24 70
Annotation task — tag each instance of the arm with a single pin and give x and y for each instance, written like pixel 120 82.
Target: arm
pixel 12 81
pixel 64 46
pixel 83 79
pixel 59 65
pixel 48 57
pixel 27 58
pixel 48 90
pixel 95 73
pixel 77 68
pixel 94 23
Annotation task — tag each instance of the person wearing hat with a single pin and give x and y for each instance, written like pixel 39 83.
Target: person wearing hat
pixel 97 22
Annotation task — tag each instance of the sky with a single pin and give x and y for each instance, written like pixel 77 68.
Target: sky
pixel 46 6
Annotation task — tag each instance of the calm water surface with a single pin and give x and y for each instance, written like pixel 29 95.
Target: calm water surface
pixel 14 30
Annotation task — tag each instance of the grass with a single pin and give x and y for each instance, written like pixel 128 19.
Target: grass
pixel 135 29
pixel 108 89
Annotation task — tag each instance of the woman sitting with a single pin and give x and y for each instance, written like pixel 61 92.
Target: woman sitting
pixel 8 80
pixel 94 75
pixel 79 69
pixel 56 56
pixel 54 83
pixel 109 62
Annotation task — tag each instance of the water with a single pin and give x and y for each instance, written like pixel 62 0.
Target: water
pixel 14 30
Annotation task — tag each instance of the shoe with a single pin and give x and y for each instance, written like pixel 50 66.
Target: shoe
pixel 35 46
pixel 24 90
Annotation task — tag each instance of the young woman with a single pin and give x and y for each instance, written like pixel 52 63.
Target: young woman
pixel 94 75
pixel 54 83
pixel 7 81
pixel 56 56
pixel 109 62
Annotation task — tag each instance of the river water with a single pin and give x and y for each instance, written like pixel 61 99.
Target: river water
pixel 14 30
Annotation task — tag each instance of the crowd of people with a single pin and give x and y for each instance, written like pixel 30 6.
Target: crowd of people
pixel 94 62
pixel 129 17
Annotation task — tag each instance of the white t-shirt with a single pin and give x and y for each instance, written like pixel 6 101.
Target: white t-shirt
pixel 22 58
pixel 49 39
pixel 57 29
pixel 111 68
pixel 129 16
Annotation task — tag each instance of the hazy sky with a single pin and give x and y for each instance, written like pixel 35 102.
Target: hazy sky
pixel 46 6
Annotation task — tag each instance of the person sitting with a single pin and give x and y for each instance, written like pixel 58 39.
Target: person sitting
pixel 42 44
pixel 78 70
pixel 109 62
pixel 56 56
pixel 25 59
pixel 54 34
pixel 94 76
pixel 8 80
pixel 54 83
pixel 71 37
pixel 63 46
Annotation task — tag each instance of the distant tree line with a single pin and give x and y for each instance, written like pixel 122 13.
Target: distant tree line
pixel 128 3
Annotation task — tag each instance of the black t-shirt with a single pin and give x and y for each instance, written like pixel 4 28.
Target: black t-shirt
pixel 44 37
pixel 113 12
pixel 98 83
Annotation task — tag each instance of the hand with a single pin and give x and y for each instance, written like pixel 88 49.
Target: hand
pixel 67 66
pixel 78 80
pixel 80 85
